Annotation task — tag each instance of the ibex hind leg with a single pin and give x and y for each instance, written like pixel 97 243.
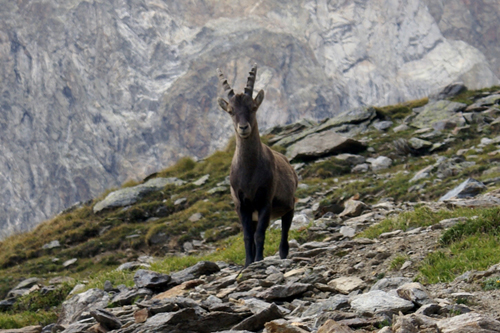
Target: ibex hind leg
pixel 286 223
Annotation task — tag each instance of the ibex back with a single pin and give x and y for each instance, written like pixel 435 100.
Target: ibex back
pixel 263 183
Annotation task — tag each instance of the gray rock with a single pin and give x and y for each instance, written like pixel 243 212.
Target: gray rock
pixel 378 301
pixel 436 111
pixel 27 283
pixel 387 284
pixel 299 221
pixel 469 323
pixel 321 144
pixel 383 125
pixel 379 163
pixel 53 244
pixel 106 318
pixel 424 173
pixel 351 158
pixel 257 321
pixel 449 91
pixel 86 301
pixel 195 271
pixel 401 128
pixel 418 144
pixel 346 285
pixel 69 262
pixel 129 266
pixel 195 217
pixel 218 189
pixel 353 208
pixel 469 188
pixel 448 223
pixel 488 100
pixel 152 280
pixel 353 116
pixel 347 231
pixel 284 291
pixel 202 180
pixel 7 304
pixel 333 303
pixel 170 322
pixel 130 195
pixel 127 297
pixel 414 292
pixel 361 168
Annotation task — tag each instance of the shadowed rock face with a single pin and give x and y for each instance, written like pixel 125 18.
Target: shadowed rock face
pixel 97 92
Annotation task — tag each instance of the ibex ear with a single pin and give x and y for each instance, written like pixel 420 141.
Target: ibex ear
pixel 258 99
pixel 223 104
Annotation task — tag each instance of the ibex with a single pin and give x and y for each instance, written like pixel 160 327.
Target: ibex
pixel 263 183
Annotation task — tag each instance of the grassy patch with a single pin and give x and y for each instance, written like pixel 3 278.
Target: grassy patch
pixel 476 252
pixel 400 111
pixel 10 320
pixel 491 283
pixel 486 222
pixel 420 217
pixel 398 262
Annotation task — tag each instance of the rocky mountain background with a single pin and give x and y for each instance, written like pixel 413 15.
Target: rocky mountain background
pixel 95 93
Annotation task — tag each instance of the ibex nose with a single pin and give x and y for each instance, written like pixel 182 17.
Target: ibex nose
pixel 243 128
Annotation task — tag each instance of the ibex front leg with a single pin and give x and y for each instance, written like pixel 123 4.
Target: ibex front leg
pixel 248 235
pixel 260 233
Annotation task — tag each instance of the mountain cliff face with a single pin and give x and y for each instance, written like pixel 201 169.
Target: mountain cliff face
pixel 97 92
pixel 474 22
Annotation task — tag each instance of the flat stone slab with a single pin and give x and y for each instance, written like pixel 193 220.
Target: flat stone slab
pixel 467 189
pixel 321 144
pixel 378 301
pixel 130 195
pixel 469 322
pixel 346 284
pixel 436 111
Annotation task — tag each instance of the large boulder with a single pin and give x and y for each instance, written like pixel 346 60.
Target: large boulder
pixel 130 195
pixel 90 300
pixel 378 301
pixel 436 111
pixel 469 188
pixel 321 144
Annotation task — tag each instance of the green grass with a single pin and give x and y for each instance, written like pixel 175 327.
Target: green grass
pixel 491 283
pixel 400 111
pixel 476 252
pixel 420 217
pixel 9 320
pixel 397 262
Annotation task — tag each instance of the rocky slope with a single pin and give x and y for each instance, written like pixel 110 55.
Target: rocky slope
pixel 98 92
pixel 343 273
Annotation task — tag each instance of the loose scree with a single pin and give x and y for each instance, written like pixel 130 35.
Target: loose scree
pixel 263 182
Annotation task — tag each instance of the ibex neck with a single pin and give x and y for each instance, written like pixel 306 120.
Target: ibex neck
pixel 248 150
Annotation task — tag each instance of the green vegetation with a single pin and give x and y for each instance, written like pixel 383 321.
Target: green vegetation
pixel 400 111
pixel 492 283
pixel 398 262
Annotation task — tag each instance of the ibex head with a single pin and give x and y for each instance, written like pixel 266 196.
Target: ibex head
pixel 242 107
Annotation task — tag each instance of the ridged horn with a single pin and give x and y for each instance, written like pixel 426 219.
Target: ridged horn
pixel 251 81
pixel 225 85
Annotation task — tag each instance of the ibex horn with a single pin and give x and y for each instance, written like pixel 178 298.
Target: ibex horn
pixel 251 81
pixel 225 85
